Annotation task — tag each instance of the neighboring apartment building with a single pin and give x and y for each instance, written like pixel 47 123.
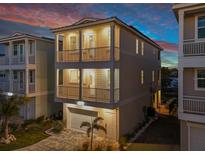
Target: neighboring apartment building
pixel 106 68
pixel 191 68
pixel 27 68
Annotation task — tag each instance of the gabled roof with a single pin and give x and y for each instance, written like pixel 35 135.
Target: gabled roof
pixel 19 35
pixel 85 22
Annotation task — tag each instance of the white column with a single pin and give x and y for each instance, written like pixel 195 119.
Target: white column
pixel 180 63
pixel 26 51
pixel 10 81
pixel 10 51
pixel 56 47
pixel 27 81
pixel 112 58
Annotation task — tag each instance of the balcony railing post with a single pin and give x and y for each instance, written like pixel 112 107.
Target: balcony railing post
pixel 10 52
pixel 80 70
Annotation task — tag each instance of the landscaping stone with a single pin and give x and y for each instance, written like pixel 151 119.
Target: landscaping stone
pixel 10 139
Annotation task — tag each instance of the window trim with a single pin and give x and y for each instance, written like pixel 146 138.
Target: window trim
pixel 142 48
pixel 196 80
pixel 196 28
pixel 137 46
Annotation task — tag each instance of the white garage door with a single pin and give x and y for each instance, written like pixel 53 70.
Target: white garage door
pixel 197 139
pixel 77 116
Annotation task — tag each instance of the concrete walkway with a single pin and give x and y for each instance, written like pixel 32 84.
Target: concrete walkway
pixel 67 140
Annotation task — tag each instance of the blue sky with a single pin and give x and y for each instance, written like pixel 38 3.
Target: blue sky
pixel 157 21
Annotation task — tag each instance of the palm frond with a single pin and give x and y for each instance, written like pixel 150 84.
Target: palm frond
pixel 99 127
pixel 96 120
pixel 89 131
pixel 85 124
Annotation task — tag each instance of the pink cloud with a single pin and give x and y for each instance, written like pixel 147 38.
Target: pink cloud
pixel 168 46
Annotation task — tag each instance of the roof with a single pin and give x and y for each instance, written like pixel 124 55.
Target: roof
pixel 178 6
pixel 95 21
pixel 18 35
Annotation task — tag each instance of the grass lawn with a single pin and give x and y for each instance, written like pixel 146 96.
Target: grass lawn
pixel 152 147
pixel 24 139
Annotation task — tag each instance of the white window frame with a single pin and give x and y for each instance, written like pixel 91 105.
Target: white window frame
pixel 142 48
pixel 142 77
pixel 196 80
pixel 196 28
pixel 137 46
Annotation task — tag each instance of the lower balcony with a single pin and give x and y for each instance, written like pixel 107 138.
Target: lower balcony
pixel 69 92
pixel 194 104
pixel 96 95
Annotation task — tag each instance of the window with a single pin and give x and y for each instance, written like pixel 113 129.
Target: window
pixel 31 76
pixel 142 46
pixel 200 79
pixel 142 77
pixel 15 75
pixel 60 77
pixel 73 43
pixel 32 47
pixel 152 76
pixel 2 75
pixel 74 76
pixel 15 51
pixel 201 27
pixel 137 46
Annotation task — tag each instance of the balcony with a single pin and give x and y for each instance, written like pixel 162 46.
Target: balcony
pixel 69 92
pixel 4 60
pixel 4 86
pixel 96 95
pixel 193 104
pixel 69 56
pixel 18 87
pixel 17 60
pixel 194 48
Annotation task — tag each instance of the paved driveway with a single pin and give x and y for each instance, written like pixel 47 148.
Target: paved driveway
pixel 67 140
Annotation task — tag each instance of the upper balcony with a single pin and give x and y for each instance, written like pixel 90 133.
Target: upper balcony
pixel 88 44
pixel 192 48
pixel 14 52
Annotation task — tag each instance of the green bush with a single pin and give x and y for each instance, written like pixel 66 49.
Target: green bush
pixel 40 119
pixel 57 126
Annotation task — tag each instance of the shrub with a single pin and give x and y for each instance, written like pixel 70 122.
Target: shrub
pixel 40 119
pixel 57 126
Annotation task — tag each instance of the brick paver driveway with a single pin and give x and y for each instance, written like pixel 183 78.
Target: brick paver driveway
pixel 67 140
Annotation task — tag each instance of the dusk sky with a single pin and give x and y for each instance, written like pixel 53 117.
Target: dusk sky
pixel 157 21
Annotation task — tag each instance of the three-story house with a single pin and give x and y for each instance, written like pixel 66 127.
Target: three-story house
pixel 106 68
pixel 191 68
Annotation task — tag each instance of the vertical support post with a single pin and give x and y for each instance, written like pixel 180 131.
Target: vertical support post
pixel 80 69
pixel 27 81
pixel 112 58
pixel 180 64
pixel 10 52
pixel 56 60
pixel 10 80
pixel 26 52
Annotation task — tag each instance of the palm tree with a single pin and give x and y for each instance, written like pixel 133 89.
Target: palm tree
pixel 91 126
pixel 9 107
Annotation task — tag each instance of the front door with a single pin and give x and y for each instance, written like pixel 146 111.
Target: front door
pixel 21 53
pixel 91 47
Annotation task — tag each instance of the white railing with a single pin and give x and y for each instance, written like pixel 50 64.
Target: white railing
pixel 17 60
pixel 69 92
pixel 4 60
pixel 194 48
pixel 69 55
pixel 193 104
pixel 4 86
pixel 32 88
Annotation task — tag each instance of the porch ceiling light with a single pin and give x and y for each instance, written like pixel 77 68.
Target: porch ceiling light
pixel 10 94
pixel 80 103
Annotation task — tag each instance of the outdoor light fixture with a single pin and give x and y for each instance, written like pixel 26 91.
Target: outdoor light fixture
pixel 10 94
pixel 80 103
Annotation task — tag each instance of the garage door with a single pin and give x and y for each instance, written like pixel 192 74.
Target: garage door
pixel 77 116
pixel 197 139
